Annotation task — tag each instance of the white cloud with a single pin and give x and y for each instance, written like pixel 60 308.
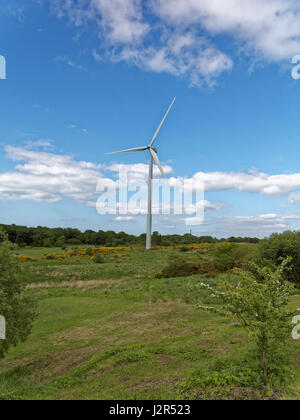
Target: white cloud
pixel 77 11
pixel 135 174
pixel 121 20
pixel 259 225
pixel 47 176
pixel 45 144
pixel 141 208
pixel 126 35
pixel 179 36
pixel 294 197
pixel 253 182
pixel 124 219
pixel 181 55
pixel 267 28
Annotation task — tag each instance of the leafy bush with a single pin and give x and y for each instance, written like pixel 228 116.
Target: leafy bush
pixel 224 263
pixel 207 269
pixel 229 255
pixel 98 259
pixel 270 252
pixel 60 242
pixel 26 258
pixel 178 266
pixel 17 308
pixel 225 249
pixel 47 243
pixel 89 252
pixel 3 236
pixel 224 259
pixel 258 302
pixel 227 378
pixel 184 249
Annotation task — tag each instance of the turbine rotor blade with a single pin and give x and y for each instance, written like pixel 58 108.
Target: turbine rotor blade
pixel 136 149
pixel 163 120
pixel 155 157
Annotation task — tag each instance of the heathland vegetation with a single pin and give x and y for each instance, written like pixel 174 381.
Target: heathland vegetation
pixel 202 319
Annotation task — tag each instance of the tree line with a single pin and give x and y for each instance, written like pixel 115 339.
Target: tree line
pixel 59 237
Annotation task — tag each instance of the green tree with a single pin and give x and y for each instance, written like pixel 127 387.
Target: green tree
pixel 271 251
pixel 16 307
pixel 258 302
pixel 156 239
pixel 47 243
pixel 60 242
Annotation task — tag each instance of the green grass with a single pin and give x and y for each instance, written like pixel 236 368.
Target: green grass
pixel 113 331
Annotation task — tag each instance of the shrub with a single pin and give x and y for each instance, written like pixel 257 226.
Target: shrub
pixel 26 258
pixel 207 269
pixel 89 252
pixel 98 259
pixel 258 302
pixel 241 253
pixel 3 236
pixel 225 249
pixel 47 243
pixel 16 307
pixel 229 255
pixel 178 266
pixel 50 257
pixel 224 263
pixel 224 259
pixel 270 252
pixel 184 249
pixel 60 243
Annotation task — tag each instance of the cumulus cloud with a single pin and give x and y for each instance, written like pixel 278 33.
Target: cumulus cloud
pixel 267 28
pixel 41 174
pixel 179 36
pixel 121 20
pixel 49 177
pixel 182 55
pixel 253 182
pixel 127 35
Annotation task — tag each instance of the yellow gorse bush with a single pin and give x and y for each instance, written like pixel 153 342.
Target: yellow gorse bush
pixel 89 253
pixel 119 252
pixel 26 258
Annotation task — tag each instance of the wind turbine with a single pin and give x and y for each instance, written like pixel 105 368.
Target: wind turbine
pixel 153 155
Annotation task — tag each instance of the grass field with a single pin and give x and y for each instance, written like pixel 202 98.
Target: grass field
pixel 114 331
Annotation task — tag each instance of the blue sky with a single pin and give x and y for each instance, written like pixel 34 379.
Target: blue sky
pixel 92 76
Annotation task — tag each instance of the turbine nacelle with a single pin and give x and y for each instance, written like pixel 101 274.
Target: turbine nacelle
pixel 153 148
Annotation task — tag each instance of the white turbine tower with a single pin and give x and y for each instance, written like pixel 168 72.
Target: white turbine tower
pixel 153 155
